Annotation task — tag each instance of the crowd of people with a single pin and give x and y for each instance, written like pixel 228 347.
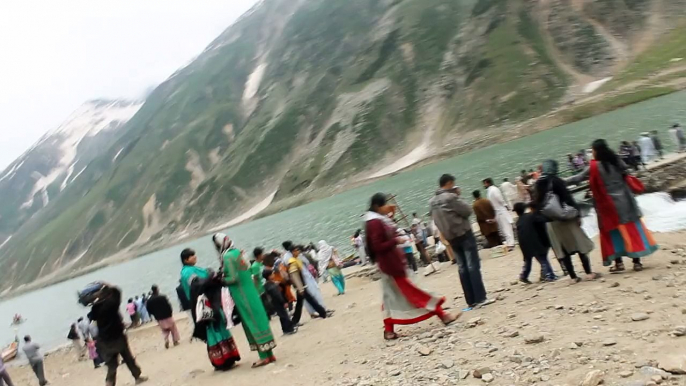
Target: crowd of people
pixel 249 291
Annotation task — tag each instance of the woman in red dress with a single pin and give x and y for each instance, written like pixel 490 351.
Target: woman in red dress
pixel 403 301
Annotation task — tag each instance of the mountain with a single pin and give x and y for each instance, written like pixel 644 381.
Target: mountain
pixel 302 97
pixel 44 171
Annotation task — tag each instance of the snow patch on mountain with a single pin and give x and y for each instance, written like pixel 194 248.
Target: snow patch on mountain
pixel 88 120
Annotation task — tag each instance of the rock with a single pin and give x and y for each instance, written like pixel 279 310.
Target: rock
pixel 463 374
pixel 533 339
pixel 482 345
pixel 447 363
pixel 674 262
pixel 394 372
pixel 626 374
pixel 559 307
pixel 511 334
pixel 679 331
pixel 545 378
pixel 473 322
pixel 573 346
pixel 488 378
pixel 639 316
pixel 424 351
pixel 650 371
pixel 481 371
pixel 614 285
pixel 673 363
pixel 656 378
pixel 514 282
pixel 593 378
pixel 609 342
pixel 516 359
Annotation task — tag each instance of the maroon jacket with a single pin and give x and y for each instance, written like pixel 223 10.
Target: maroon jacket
pixel 383 249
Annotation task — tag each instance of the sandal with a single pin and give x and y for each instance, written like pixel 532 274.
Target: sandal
pixel 638 267
pixel 261 363
pixel 390 335
pixel 450 318
pixel 619 267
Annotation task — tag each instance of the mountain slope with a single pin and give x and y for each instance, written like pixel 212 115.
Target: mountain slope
pixel 300 96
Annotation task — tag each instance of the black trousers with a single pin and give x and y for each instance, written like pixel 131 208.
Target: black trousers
pixel 411 261
pixel 111 351
pixel 569 266
pixel 276 303
pixel 302 297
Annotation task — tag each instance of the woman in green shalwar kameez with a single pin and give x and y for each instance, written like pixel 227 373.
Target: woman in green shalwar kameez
pixel 238 278
pixel 196 281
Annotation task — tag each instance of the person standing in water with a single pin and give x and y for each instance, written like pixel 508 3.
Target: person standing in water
pixel 239 279
pixel 35 358
pixel 502 213
pixel 159 307
pixel 403 301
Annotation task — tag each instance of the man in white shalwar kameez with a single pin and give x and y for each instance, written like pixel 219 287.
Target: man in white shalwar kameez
pixel 502 213
pixel 648 152
pixel 509 190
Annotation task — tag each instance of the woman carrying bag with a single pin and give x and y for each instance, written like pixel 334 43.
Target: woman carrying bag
pixel 566 236
pixel 622 232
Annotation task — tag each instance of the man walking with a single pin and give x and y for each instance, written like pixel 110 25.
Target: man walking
pixel 657 143
pixel 510 192
pixel 502 213
pixel 160 308
pixel 35 358
pixel 451 216
pixel 112 342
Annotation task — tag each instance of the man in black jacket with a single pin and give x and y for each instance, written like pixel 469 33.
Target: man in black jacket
pixel 159 307
pixel 533 241
pixel 112 341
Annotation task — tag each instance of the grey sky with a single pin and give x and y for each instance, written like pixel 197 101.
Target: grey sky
pixel 56 54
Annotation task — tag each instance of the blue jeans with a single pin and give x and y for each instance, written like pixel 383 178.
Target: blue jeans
pixel 546 269
pixel 469 267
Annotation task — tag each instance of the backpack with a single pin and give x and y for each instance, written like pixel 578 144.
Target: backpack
pixel 183 299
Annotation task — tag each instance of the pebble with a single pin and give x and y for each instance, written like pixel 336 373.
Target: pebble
pixel 511 334
pixel 673 363
pixel 639 316
pixel 609 342
pixel 593 378
pixel 650 371
pixel 626 374
pixel 394 372
pixel 534 339
pixel 488 378
pixel 463 374
pixel 614 285
pixel 473 322
pixel 447 364
pixel 679 331
pixel 482 345
pixel 424 351
pixel 545 378
pixel 559 307
pixel 573 346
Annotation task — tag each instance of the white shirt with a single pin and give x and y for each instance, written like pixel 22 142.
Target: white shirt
pixel 495 196
pixel 647 147
pixel 510 192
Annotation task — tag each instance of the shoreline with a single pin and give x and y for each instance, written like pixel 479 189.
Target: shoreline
pixel 517 131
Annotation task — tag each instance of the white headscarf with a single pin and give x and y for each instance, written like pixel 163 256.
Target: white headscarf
pixel 222 242
pixel 326 253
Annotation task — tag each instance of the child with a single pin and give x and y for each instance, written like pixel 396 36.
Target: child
pixel 93 353
pixel 533 241
pixel 275 301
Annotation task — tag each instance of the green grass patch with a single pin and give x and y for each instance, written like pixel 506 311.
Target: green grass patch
pixel 609 104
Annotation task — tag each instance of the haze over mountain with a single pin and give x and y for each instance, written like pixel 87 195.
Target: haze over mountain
pixel 300 97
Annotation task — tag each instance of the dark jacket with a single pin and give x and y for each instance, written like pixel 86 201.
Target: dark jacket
pixel 532 234
pixel 106 314
pixel 383 248
pixel 450 214
pixel 159 307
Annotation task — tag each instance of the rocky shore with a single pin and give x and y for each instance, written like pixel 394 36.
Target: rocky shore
pixel 623 329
